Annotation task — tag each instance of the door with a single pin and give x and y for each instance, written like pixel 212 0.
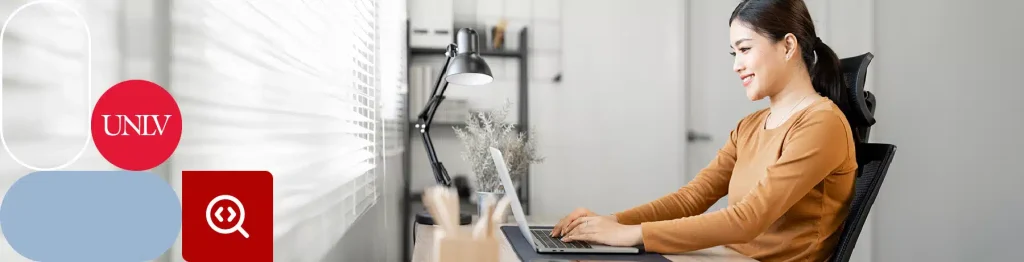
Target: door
pixel 716 99
pixel 612 130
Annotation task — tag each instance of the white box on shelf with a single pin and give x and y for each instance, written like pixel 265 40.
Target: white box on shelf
pixel 430 23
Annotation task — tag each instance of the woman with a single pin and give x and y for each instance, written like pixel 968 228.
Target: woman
pixel 788 169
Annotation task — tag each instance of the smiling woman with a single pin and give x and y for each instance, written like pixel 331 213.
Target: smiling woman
pixel 788 170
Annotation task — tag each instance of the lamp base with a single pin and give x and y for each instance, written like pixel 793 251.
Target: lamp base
pixel 424 217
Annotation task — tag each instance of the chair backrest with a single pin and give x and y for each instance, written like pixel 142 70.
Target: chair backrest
pixel 874 160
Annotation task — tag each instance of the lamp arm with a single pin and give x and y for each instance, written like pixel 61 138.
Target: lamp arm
pixel 440 172
pixel 426 117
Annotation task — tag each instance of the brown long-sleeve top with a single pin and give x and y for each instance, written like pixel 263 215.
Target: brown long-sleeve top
pixel 788 188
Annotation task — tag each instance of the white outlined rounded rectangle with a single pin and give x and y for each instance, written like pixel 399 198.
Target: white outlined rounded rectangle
pixel 88 106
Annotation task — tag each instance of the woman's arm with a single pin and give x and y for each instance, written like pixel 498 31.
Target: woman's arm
pixel 815 149
pixel 710 185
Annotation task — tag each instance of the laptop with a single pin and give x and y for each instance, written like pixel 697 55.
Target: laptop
pixel 539 237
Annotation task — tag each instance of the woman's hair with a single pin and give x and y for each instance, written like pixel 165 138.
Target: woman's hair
pixel 776 18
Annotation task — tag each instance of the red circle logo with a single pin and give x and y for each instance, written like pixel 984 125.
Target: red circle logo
pixel 136 125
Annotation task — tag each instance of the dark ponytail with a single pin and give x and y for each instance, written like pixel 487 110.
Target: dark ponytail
pixel 776 18
pixel 825 73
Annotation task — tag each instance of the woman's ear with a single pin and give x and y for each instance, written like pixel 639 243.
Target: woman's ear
pixel 790 43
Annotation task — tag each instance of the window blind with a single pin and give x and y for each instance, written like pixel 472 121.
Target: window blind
pixel 291 87
pixel 394 86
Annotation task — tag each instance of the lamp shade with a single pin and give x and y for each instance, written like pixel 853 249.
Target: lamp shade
pixel 467 67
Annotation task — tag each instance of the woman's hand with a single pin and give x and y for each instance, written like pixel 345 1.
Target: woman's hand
pixel 604 230
pixel 563 225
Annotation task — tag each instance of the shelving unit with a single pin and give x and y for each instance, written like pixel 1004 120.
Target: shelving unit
pixel 411 200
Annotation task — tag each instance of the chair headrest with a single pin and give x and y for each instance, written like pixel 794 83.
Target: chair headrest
pixel 859 104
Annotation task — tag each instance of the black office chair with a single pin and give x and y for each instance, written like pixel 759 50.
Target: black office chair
pixel 857 104
pixel 873 158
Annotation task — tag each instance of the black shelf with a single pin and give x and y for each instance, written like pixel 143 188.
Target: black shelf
pixel 412 125
pixel 440 51
pixel 410 200
pixel 435 125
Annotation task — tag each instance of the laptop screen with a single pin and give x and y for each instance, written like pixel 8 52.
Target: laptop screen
pixel 510 190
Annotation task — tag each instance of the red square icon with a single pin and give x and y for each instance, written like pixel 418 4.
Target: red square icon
pixel 227 216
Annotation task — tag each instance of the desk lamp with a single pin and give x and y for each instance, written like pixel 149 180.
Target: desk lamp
pixel 463 66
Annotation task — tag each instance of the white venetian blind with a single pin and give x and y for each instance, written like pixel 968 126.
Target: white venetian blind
pixel 393 62
pixel 290 87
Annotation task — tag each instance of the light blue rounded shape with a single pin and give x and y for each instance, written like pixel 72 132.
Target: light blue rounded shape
pixel 90 216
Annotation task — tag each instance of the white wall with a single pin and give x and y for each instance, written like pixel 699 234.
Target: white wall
pixel 612 130
pixel 948 97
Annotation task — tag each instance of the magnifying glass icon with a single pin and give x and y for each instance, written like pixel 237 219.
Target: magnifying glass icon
pixel 231 215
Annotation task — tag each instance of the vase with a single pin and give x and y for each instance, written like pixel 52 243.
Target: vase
pixel 481 199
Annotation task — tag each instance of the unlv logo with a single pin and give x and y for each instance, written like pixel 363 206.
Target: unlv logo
pixel 136 125
pixel 124 121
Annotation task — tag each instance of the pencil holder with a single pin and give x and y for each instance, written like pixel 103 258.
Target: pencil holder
pixel 463 247
pixel 454 243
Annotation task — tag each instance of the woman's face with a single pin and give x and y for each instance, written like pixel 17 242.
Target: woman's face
pixel 759 62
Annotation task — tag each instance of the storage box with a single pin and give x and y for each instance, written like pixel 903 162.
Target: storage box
pixel 431 23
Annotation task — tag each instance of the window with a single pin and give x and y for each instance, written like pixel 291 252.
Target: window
pixel 296 88
pixel 393 62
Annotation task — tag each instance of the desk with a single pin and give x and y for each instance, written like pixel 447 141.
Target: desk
pixel 423 249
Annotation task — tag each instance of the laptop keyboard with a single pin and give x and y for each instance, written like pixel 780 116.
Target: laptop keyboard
pixel 543 237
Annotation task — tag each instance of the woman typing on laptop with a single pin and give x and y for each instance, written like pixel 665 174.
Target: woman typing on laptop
pixel 788 169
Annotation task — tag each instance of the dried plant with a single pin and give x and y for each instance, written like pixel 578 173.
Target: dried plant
pixel 487 129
